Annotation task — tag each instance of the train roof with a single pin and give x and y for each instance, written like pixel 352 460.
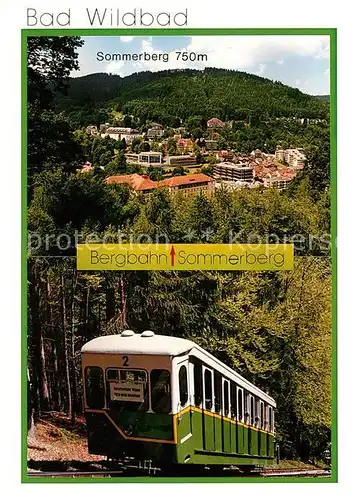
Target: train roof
pixel 135 343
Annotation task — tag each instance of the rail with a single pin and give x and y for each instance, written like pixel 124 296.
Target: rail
pixel 145 469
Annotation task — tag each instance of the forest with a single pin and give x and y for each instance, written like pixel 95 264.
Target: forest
pixel 173 96
pixel 273 327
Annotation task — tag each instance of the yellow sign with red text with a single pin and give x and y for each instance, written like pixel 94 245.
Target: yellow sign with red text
pixel 184 257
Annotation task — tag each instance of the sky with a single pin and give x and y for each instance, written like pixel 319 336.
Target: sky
pixel 296 60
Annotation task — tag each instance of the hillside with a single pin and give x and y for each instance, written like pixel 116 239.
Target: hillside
pixel 170 96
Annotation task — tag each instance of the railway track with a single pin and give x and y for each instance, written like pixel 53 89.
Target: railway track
pixel 103 470
pixel 296 473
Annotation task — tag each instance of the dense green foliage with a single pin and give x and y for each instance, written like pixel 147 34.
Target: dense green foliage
pixel 171 96
pixel 49 61
pixel 75 201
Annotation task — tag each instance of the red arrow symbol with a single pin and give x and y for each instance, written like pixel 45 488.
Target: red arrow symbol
pixel 172 254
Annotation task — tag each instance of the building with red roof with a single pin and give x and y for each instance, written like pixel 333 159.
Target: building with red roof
pixel 224 155
pixel 215 123
pixel 139 183
pixel 185 184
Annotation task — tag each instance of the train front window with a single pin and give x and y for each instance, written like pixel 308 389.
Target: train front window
pixel 127 389
pixel 113 374
pixel 160 388
pixel 94 387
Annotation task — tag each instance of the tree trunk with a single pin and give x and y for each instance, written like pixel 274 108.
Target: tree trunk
pixel 38 358
pixel 66 357
pixel 56 376
pixel 30 407
pixel 110 303
pixel 54 385
pixel 72 345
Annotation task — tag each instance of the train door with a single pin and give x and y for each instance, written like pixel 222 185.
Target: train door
pixel 257 425
pixel 270 429
pixel 263 435
pixel 218 429
pixel 247 421
pixel 207 417
pixel 241 437
pixel 253 432
pixel 234 412
pixel 226 423
pixel 184 408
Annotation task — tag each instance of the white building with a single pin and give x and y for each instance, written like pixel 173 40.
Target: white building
pixel 129 137
pixel 187 160
pixel 155 133
pixel 150 158
pixel 116 132
pixel 277 182
pixel 294 158
pixel 228 171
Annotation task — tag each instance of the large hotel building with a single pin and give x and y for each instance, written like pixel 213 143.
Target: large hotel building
pixel 185 184
pixel 227 171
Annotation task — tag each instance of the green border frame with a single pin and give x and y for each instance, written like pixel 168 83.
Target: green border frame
pixel 332 33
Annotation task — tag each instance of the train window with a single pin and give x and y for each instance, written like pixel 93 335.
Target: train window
pixel 240 405
pixel 262 415
pixel 183 385
pixel 217 391
pixel 94 387
pixel 257 412
pixel 160 391
pixel 113 374
pixel 208 389
pixel 233 399
pixel 127 389
pixel 252 410
pixel 247 407
pixel 198 383
pixel 226 397
pixel 271 419
pixel 133 376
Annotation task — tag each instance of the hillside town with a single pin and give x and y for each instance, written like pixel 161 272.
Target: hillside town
pixel 195 166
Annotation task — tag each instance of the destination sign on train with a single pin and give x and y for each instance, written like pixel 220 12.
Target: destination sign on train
pixel 184 257
pixel 126 391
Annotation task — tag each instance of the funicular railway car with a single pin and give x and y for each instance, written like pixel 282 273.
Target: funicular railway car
pixel 167 400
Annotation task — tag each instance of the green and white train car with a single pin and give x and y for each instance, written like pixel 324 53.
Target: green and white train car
pixel 167 400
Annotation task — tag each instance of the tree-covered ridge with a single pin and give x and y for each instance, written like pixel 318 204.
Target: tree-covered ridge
pixel 325 97
pixel 226 94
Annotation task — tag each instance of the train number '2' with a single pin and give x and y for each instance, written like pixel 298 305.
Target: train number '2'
pixel 125 360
